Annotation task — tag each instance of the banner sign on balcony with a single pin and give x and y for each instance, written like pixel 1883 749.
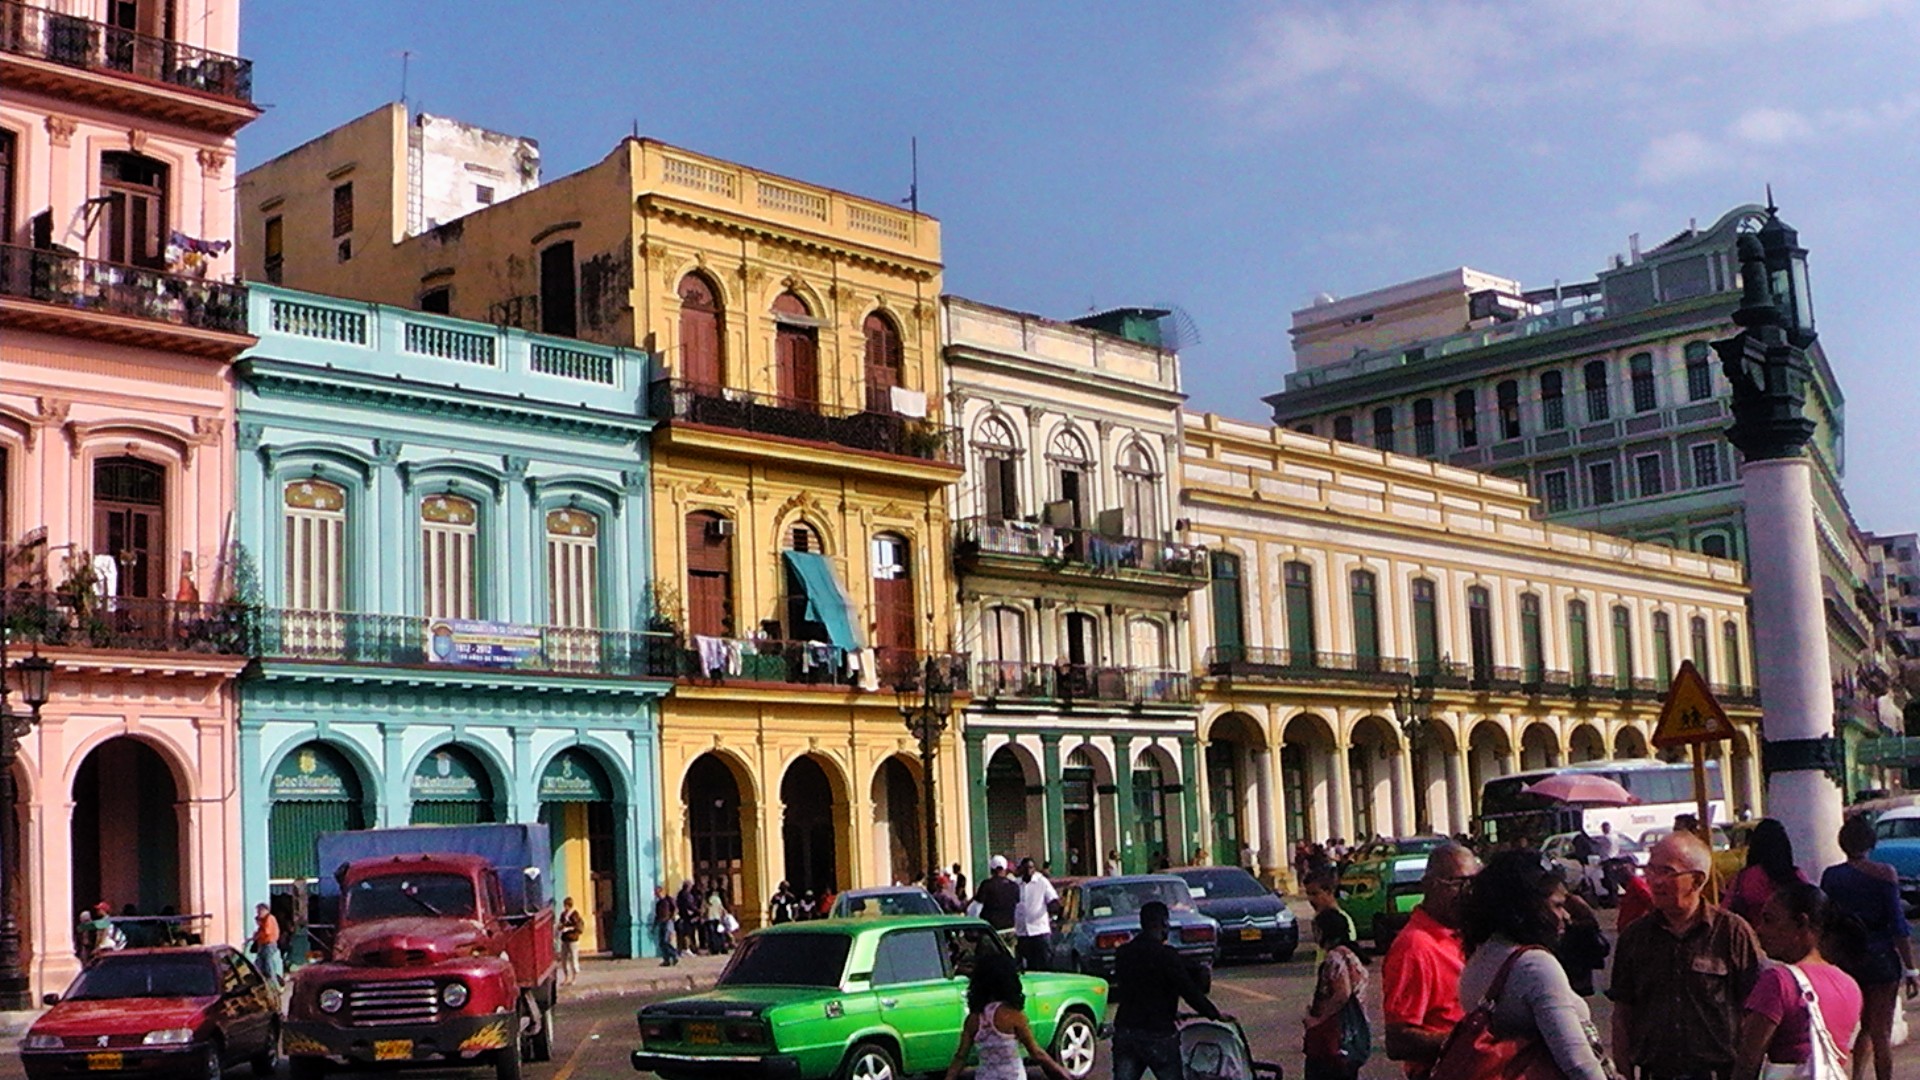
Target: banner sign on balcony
pixel 472 643
pixel 573 776
pixel 314 773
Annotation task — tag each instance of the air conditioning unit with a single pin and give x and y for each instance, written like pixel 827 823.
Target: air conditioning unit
pixel 720 529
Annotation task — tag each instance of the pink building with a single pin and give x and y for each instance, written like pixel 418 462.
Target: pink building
pixel 117 329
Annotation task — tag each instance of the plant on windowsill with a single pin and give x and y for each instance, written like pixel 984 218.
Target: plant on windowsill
pixel 922 440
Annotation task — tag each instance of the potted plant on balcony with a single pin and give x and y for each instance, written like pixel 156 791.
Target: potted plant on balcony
pixel 922 439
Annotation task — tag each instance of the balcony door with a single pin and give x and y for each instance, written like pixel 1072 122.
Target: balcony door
pixel 129 526
pixel 701 358
pixel 133 215
pixel 796 353
pixel 886 358
pixel 893 607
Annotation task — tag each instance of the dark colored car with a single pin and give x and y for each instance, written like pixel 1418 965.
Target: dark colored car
pixel 178 1012
pixel 1098 915
pixel 1253 920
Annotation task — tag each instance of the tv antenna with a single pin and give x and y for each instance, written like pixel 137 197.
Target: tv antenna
pixel 912 200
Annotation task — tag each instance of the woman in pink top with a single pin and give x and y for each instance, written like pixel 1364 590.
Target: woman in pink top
pixel 1778 1028
pixel 1769 866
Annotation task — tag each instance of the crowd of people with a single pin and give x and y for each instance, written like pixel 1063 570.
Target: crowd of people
pixel 699 920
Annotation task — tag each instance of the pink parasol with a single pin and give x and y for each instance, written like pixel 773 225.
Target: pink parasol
pixel 1581 788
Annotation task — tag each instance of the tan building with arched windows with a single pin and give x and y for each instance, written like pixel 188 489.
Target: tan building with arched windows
pixel 1382 634
pixel 800 465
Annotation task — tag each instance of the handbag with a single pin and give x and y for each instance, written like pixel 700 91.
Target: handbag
pixel 1347 1040
pixel 1825 1062
pixel 1474 1052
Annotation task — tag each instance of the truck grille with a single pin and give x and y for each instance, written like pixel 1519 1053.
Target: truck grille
pixel 407 1001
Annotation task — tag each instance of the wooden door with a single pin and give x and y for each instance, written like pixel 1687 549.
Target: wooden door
pixel 797 356
pixel 709 576
pixel 700 357
pixel 129 524
pixel 893 607
pixel 885 358
pixel 134 218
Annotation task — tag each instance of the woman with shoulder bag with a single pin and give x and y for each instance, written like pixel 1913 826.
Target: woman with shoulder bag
pixel 1869 891
pixel 1339 1039
pixel 1804 1009
pixel 1527 1023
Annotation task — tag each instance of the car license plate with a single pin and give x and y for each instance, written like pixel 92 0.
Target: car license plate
pixel 112 1060
pixel 393 1049
pixel 703 1034
pixel 1249 933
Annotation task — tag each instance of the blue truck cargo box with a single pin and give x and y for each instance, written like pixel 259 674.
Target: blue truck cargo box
pixel 511 849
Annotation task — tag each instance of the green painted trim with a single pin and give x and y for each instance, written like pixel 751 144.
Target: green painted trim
pixel 1056 805
pixel 417 679
pixel 294 381
pixel 1132 860
pixel 976 742
pixel 1189 790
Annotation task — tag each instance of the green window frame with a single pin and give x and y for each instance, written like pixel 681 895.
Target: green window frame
pixel 1229 611
pixel 1622 647
pixel 1426 626
pixel 1300 636
pixel 1663 647
pixel 1363 593
pixel 1531 645
pixel 1579 649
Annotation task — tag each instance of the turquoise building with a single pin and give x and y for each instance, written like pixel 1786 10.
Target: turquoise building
pixel 446 524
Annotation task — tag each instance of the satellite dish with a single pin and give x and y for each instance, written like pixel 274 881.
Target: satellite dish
pixel 1178 331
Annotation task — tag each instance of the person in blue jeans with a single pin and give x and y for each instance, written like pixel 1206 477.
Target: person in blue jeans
pixel 1150 981
pixel 665 912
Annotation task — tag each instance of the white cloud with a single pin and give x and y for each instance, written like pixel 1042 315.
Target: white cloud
pixel 1678 156
pixel 1771 127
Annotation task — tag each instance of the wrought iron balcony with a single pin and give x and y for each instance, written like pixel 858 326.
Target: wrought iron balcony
pixel 342 637
pixel 76 290
pixel 1495 677
pixel 1736 694
pixel 809 421
pixel 1080 551
pixel 85 620
pixel 37 33
pixel 1253 664
pixel 1445 674
pixel 1067 683
pixel 718 660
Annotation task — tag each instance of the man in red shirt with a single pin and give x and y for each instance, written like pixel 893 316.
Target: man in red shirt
pixel 1420 979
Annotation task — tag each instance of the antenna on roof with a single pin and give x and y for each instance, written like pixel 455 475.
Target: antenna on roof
pixel 1771 209
pixel 406 55
pixel 912 201
pixel 636 129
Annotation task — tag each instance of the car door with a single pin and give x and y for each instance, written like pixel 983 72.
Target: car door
pixel 1063 939
pixel 918 997
pixel 245 1013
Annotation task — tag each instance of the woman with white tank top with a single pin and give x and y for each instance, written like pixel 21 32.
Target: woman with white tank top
pixel 996 1024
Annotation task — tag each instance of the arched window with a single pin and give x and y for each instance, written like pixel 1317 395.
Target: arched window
pixel 1532 645
pixel 1139 493
pixel 1698 646
pixel 1299 591
pixel 999 452
pixel 1003 646
pixel 893 606
pixel 1662 648
pixel 702 333
pixel 1599 406
pixel 1229 607
pixel 314 572
pixel 573 568
pixel 1699 371
pixel 1622 647
pixel 1553 402
pixel 1426 627
pixel 1508 396
pixel 449 532
pixel 133 220
pixel 1579 646
pixel 1147 642
pixel 709 574
pixel 1480 632
pixel 1363 593
pixel 796 352
pixel 1640 368
pixel 803 621
pixel 1466 418
pixel 1072 477
pixel 886 360
pixel 1423 443
pixel 1383 428
pixel 1730 637
pixel 130 525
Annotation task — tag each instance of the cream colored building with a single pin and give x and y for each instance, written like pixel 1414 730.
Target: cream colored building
pixel 1383 633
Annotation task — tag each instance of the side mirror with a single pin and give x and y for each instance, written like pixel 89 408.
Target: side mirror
pixel 50 999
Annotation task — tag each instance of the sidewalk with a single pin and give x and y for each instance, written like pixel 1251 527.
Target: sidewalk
pixel 604 978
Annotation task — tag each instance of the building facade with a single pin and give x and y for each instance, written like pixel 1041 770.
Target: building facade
pixel 1383 634
pixel 447 523
pixel 1894 564
pixel 1073 585
pixel 799 475
pixel 117 330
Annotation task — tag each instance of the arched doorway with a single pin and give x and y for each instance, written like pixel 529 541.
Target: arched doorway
pixel 126 829
pixel 807 827
pixel 716 835
pixel 1629 742
pixel 1085 820
pixel 1015 815
pixel 1539 748
pixel 1154 831
pixel 1230 775
pixel 576 806
pixel 898 828
pixel 1487 755
pixel 452 787
pixel 1373 777
pixel 1436 776
pixel 1306 778
pixel 1586 744
pixel 315 789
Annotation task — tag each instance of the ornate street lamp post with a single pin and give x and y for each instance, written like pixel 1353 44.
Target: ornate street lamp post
pixel 925 698
pixel 1412 710
pixel 33 673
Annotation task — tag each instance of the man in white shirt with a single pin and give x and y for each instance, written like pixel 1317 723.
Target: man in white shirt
pixel 1033 918
pixel 1606 848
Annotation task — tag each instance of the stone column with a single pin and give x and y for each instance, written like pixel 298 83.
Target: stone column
pixel 1131 861
pixel 1340 799
pixel 1273 837
pixel 1403 793
pixel 1190 795
pixel 1056 812
pixel 976 743
pixel 1459 787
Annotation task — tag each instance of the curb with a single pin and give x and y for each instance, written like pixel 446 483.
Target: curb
pixel 640 987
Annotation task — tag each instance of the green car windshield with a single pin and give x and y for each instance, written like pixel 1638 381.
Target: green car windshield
pixel 1126 897
pixel 788 960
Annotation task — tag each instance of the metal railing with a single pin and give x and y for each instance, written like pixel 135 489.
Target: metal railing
pixel 812 421
pixel 86 620
pixel 812 663
pixel 1082 548
pixel 55 277
pixel 32 31
pixel 1067 683
pixel 345 637
pixel 1253 663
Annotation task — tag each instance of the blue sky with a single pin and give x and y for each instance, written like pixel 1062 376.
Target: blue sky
pixel 1232 158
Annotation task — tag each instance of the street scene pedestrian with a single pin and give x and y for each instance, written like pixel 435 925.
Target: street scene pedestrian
pixel 1033 918
pixel 665 912
pixel 715 914
pixel 997 1025
pixel 1420 976
pixel 572 926
pixel 1803 1011
pixel 1150 982
pixel 1338 1038
pixel 1883 962
pixel 264 946
pixel 1769 866
pixel 1681 973
pixel 998 897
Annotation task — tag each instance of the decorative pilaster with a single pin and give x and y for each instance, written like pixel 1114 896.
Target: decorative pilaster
pixel 1132 859
pixel 1055 800
pixel 976 744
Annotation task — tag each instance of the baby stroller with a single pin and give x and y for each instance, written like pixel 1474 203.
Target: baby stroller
pixel 1218 1050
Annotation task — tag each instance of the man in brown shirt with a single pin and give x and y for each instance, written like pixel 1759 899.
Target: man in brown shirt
pixel 1681 974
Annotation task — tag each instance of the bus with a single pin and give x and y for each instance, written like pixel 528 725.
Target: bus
pixel 1665 791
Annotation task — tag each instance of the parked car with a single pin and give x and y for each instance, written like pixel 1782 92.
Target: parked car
pixel 172 1011
pixel 1898 845
pixel 1253 919
pixel 1098 915
pixel 854 998
pixel 1381 885
pixel 886 900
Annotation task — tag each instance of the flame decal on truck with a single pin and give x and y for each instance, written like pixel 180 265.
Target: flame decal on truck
pixel 491 1037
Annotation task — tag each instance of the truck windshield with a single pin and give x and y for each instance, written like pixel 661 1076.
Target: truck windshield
pixel 788 960
pixel 410 894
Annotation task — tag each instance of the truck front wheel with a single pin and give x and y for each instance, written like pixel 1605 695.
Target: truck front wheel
pixel 506 1060
pixel 540 1043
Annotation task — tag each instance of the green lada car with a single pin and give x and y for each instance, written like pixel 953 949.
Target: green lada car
pixel 855 999
pixel 1381 885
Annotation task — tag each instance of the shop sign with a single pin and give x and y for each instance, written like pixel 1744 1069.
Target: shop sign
pixel 473 643
pixel 447 776
pixel 310 774
pixel 573 777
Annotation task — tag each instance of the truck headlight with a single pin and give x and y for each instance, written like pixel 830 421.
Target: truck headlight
pixel 44 1042
pixel 331 1000
pixel 168 1037
pixel 454 994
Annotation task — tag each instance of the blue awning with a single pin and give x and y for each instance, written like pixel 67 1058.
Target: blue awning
pixel 827 602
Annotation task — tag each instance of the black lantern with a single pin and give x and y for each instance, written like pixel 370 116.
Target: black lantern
pixel 35 673
pixel 1787 276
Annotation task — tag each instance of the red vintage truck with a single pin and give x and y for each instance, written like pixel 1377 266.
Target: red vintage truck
pixel 439 949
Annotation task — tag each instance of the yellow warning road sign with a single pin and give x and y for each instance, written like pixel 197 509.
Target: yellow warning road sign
pixel 1691 715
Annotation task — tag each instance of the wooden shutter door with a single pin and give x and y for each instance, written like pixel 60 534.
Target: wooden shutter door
pixel 700 334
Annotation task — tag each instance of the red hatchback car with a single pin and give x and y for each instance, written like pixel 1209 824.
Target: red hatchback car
pixel 182 1012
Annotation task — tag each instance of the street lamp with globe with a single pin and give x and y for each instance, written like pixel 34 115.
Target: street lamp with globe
pixel 925 697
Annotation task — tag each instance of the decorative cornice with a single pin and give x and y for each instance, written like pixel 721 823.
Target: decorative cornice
pixel 60 129
pixel 249 436
pixel 387 451
pixel 424 402
pixel 634 480
pixel 212 162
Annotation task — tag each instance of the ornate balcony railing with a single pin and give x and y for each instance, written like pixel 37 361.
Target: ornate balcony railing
pixel 1080 548
pixel 32 31
pixel 1254 664
pixel 84 620
pixel 69 281
pixel 343 637
pixel 1067 683
pixel 812 421
pixel 813 663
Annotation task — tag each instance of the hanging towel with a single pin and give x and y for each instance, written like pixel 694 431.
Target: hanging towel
pixel 911 403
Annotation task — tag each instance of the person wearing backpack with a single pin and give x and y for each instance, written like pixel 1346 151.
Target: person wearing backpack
pixel 1804 1012
pixel 1526 1020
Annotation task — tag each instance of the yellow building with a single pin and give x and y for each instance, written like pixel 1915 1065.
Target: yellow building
pixel 799 471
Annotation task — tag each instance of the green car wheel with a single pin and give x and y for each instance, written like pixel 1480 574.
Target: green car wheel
pixel 870 1061
pixel 1075 1043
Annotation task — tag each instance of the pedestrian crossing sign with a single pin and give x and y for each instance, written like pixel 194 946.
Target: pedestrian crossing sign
pixel 1690 715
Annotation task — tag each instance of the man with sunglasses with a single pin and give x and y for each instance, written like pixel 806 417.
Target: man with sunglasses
pixel 1420 978
pixel 1681 974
